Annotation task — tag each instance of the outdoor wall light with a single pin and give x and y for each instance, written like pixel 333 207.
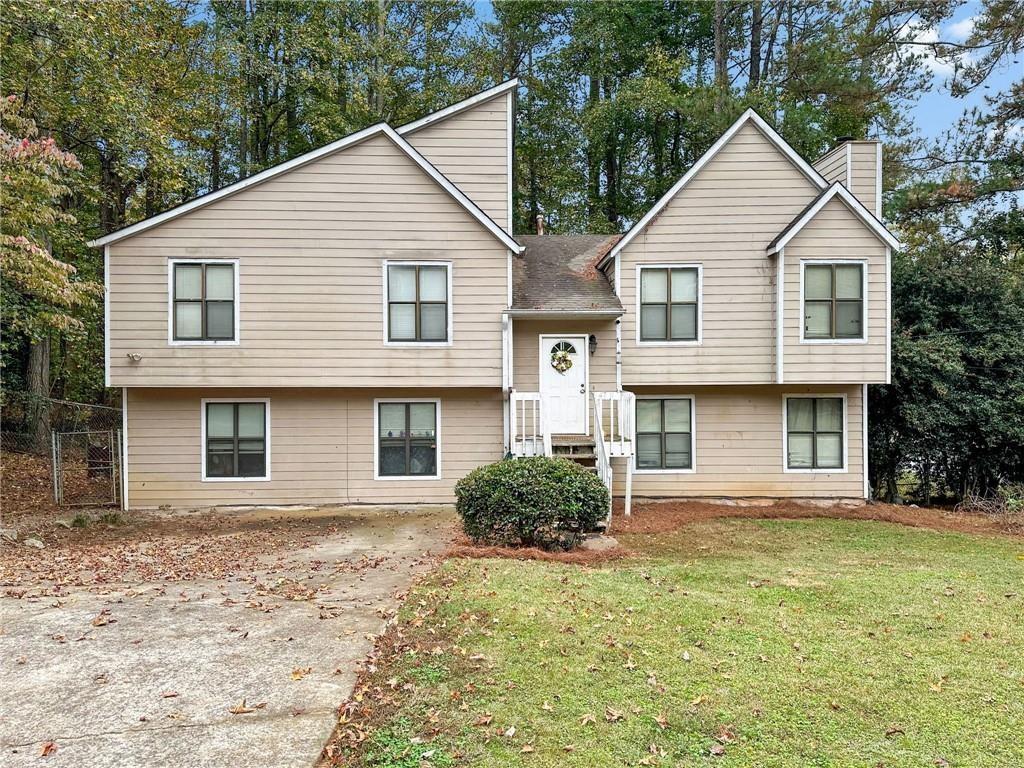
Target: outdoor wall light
pixel 593 343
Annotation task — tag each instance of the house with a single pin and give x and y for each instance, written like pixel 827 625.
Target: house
pixel 360 324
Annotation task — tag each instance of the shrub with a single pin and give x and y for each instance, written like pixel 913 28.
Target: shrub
pixel 538 501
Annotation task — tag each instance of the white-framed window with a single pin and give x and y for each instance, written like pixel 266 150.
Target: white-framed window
pixel 235 437
pixel 833 301
pixel 407 439
pixel 669 303
pixel 417 303
pixel 202 302
pixel 666 436
pixel 814 432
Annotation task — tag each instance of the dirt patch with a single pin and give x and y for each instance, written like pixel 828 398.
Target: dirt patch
pixel 667 516
pixel 463 547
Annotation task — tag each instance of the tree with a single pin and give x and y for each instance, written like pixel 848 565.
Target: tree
pixel 41 293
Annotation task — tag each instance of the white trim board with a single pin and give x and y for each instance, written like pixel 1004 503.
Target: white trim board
pixel 202 439
pixel 461 106
pixel 834 190
pixel 864 439
pixel 749 116
pixel 171 341
pixel 349 141
pixel 700 306
pixel 376 437
pixel 845 469
pixel 106 316
pixel 385 287
pixel 692 470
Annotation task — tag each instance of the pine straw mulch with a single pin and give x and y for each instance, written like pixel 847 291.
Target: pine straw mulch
pixel 667 516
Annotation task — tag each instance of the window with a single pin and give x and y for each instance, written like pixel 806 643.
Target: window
pixel 833 301
pixel 407 439
pixel 664 433
pixel 235 440
pixel 203 298
pixel 669 303
pixel 814 432
pixel 417 302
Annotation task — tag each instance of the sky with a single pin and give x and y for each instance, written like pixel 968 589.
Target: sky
pixel 937 108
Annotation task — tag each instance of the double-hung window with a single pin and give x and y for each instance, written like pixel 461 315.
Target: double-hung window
pixel 664 433
pixel 814 432
pixel 669 304
pixel 833 301
pixel 204 301
pixel 418 303
pixel 235 440
pixel 407 439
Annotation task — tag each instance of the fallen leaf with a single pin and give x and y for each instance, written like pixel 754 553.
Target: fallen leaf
pixel 48 749
pixel 300 672
pixel 588 719
pixel 484 719
pixel 890 732
pixel 527 748
pixel 168 694
pixel 510 732
pixel 661 720
pixel 612 715
pixel 717 750
pixel 546 706
pixel 242 709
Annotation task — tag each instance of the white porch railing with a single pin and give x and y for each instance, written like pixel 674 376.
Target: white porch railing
pixel 616 410
pixel 613 431
pixel 527 428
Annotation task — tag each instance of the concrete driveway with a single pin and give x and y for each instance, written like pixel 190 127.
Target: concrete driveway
pixel 226 672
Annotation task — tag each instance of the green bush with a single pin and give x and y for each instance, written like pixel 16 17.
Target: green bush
pixel 538 502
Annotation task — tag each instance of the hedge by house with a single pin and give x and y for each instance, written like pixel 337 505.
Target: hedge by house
pixel 538 501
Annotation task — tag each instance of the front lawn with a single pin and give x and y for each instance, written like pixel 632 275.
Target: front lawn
pixel 727 643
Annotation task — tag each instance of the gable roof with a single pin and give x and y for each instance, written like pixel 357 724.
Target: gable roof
pixel 836 189
pixel 558 274
pixel 749 116
pixel 328 149
pixel 454 109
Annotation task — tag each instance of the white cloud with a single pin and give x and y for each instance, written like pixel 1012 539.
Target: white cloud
pixel 959 31
pixel 931 35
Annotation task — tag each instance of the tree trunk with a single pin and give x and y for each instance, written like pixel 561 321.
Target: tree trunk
pixel 721 58
pixel 754 76
pixel 593 157
pixel 611 166
pixel 38 379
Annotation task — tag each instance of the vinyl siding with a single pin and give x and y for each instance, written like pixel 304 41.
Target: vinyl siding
pixel 322 449
pixel 740 448
pixel 723 219
pixel 310 245
pixel 864 170
pixel 832 165
pixel 471 149
pixel 526 351
pixel 835 233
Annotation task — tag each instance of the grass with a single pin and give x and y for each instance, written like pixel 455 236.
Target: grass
pixel 728 643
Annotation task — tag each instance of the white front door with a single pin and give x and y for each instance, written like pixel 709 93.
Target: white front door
pixel 563 383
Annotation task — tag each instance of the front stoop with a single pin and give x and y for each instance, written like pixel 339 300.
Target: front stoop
pixel 577 448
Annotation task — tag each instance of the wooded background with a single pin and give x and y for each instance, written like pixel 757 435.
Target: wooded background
pixel 114 111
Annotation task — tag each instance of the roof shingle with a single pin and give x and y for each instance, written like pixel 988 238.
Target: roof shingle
pixel 559 273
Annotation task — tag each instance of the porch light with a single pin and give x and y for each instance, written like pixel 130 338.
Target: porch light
pixel 593 343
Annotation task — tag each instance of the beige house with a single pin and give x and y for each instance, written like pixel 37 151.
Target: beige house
pixel 360 324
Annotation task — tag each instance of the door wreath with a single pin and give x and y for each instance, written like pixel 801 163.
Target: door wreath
pixel 560 356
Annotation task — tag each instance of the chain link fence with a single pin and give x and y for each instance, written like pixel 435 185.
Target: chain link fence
pixel 58 451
